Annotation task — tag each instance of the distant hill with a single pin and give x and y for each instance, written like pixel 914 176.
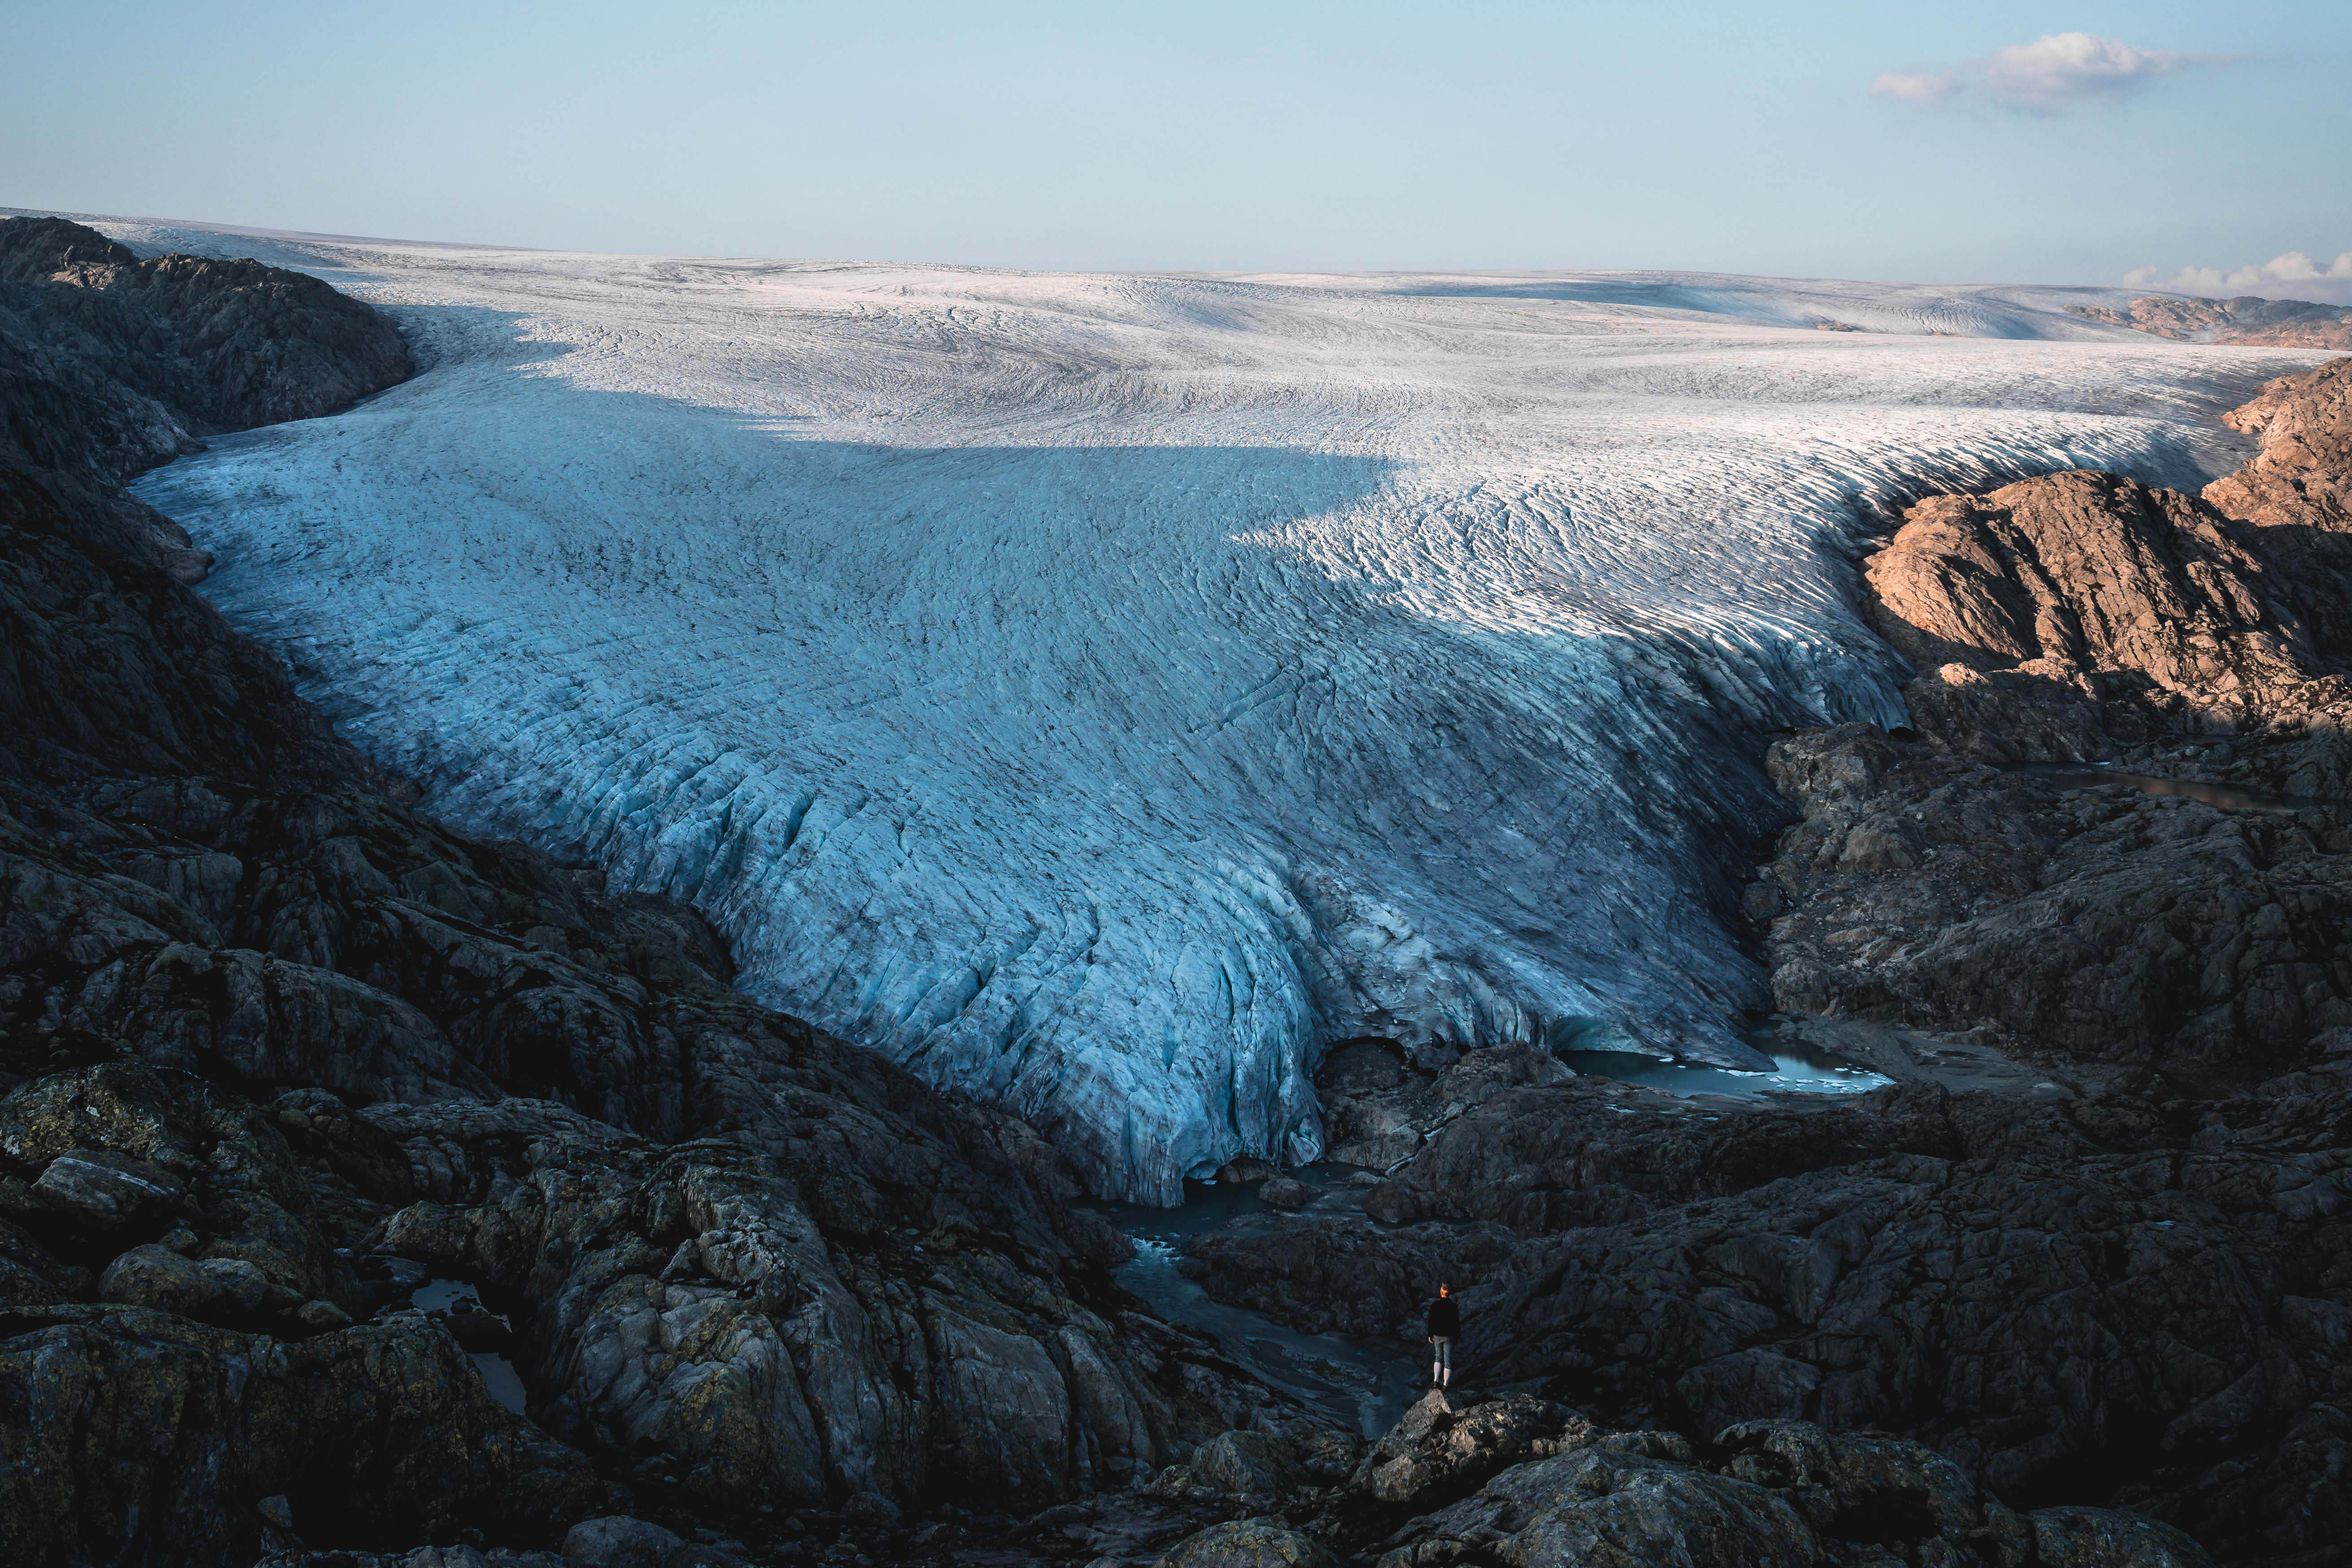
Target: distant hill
pixel 2246 319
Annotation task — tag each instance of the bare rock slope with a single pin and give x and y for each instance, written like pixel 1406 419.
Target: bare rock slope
pixel 2116 1279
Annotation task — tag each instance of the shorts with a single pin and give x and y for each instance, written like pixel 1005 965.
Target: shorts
pixel 1441 1352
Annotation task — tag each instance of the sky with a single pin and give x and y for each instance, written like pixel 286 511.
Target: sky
pixel 2153 142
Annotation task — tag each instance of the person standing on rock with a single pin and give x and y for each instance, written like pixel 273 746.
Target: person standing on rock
pixel 1444 1328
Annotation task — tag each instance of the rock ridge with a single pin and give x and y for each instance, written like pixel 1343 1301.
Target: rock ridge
pixel 2247 321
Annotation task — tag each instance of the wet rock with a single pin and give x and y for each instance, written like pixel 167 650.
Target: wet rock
pixel 1284 1193
pixel 475 1330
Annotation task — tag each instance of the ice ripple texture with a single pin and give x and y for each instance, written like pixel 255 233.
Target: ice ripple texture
pixel 1100 692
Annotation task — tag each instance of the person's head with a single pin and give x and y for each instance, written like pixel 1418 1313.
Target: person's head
pixel 1441 1291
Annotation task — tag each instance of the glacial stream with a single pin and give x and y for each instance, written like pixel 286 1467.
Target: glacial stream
pixel 1796 1072
pixel 447 1297
pixel 1360 1383
pixel 1366 1382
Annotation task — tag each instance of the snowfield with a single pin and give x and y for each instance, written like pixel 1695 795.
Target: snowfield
pixel 1101 692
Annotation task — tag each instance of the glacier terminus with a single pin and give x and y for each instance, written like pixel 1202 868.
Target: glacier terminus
pixel 1104 692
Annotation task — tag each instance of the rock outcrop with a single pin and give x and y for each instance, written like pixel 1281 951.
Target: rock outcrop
pixel 140 1437
pixel 1515 1482
pixel 2080 617
pixel 2089 592
pixel 2303 475
pixel 113 364
pixel 2093 925
pixel 2249 321
pixel 1760 1495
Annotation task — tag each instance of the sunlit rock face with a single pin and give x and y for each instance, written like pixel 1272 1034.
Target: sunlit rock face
pixel 1100 692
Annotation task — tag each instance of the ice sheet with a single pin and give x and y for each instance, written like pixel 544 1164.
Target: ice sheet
pixel 1101 691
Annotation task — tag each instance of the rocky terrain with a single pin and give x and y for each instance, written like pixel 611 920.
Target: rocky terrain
pixel 2247 320
pixel 277 1048
pixel 276 1051
pixel 2090 1247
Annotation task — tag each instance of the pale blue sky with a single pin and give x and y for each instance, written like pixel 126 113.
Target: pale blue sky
pixel 1742 137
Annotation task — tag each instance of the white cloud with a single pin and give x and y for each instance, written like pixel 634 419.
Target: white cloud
pixel 2047 76
pixel 2292 276
pixel 1916 87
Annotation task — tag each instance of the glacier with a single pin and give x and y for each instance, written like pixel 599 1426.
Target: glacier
pixel 1102 693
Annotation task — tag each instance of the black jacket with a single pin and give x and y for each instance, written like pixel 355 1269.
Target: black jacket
pixel 1445 1318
